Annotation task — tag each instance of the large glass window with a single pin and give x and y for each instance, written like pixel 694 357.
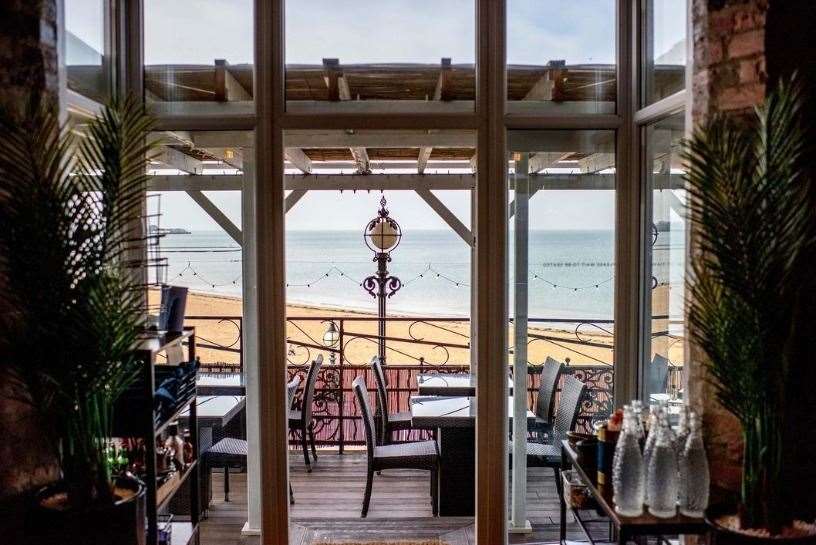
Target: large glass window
pixel 198 52
pixel 380 55
pixel 561 56
pixel 561 300
pixel 87 64
pixel 666 259
pixel 664 48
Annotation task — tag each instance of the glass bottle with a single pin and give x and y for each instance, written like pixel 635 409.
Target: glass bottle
pixel 694 478
pixel 648 447
pixel 661 479
pixel 627 471
pixel 682 429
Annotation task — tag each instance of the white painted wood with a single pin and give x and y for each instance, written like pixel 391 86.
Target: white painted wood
pixel 363 107
pixel 541 89
pixel 233 89
pixel 360 156
pixel 249 340
pixel 217 215
pixel 293 198
pixel 329 138
pixel 422 158
pixel 231 156
pixel 543 160
pixel 474 163
pixel 596 162
pixel 299 159
pixel 518 500
pixel 173 158
pixel 445 213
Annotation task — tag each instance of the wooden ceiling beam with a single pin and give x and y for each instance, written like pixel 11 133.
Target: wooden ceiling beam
pixel 299 159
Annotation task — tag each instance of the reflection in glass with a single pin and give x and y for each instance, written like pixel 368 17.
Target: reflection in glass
pixel 664 46
pixel 198 51
pixel 382 54
pixel 666 250
pixel 561 56
pixel 86 66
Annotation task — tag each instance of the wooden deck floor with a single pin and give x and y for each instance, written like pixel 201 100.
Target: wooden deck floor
pixel 328 501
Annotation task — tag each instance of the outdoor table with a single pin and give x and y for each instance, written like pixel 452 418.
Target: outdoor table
pixel 454 384
pixel 625 528
pixel 220 384
pixel 214 414
pixel 454 419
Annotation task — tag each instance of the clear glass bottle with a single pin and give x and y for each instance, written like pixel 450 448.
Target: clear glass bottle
pixel 648 447
pixel 627 471
pixel 694 478
pixel 661 474
pixel 683 429
pixel 637 412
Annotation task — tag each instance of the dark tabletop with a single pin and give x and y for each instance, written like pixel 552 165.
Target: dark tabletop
pixel 431 412
pixel 220 384
pixel 445 384
pixel 217 410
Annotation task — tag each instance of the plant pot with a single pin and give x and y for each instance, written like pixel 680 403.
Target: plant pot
pixel 122 523
pixel 722 535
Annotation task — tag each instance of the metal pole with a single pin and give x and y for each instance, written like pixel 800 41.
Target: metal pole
pixel 382 274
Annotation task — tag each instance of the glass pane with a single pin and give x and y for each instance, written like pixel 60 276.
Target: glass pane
pixel 561 56
pixel 664 47
pixel 87 68
pixel 561 301
pixel 380 55
pixel 198 54
pixel 666 256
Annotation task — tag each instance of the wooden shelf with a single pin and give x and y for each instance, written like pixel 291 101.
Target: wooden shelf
pixel 168 489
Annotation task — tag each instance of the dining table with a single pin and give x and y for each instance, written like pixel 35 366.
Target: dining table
pixel 220 384
pixel 453 419
pixel 450 384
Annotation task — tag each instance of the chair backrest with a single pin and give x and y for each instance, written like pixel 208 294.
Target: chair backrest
pixel 308 393
pixel 291 389
pixel 382 393
pixel 361 393
pixel 657 374
pixel 550 373
pixel 569 405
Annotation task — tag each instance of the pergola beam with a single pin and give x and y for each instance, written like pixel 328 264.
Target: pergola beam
pixel 173 158
pixel 293 198
pixel 218 216
pixel 596 162
pixel 299 159
pixel 227 88
pixel 360 156
pixel 445 213
pixel 399 182
pixel 422 158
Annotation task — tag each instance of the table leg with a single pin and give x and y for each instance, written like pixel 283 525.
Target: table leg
pixel 457 472
pixel 562 503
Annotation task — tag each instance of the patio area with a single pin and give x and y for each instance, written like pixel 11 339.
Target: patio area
pixel 328 500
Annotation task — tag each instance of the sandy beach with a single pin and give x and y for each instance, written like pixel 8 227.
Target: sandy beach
pixel 437 341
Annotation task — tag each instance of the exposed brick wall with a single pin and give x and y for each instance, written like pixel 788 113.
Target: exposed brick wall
pixel 729 55
pixel 28 64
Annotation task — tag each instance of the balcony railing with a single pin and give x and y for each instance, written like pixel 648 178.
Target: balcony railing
pixel 414 346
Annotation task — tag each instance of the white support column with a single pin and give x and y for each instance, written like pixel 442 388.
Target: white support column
pixel 518 500
pixel 474 367
pixel 249 338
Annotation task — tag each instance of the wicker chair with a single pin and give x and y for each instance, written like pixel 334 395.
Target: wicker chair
pixel 549 454
pixel 416 455
pixel 301 420
pixel 389 422
pixel 545 403
pixel 231 452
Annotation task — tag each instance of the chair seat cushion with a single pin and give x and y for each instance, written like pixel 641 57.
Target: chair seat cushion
pixel 400 421
pixel 294 417
pixel 228 451
pixel 419 454
pixel 540 454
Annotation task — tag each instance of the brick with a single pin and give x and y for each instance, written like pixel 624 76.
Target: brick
pixel 752 71
pixel 746 44
pixel 741 97
pixel 749 19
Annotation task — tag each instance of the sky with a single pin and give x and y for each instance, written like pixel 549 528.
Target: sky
pixel 199 31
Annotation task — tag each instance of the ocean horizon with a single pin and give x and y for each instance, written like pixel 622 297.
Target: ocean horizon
pixel 570 272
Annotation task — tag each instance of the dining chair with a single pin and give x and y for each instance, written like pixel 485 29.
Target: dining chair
pixel 232 452
pixel 545 403
pixel 657 375
pixel 389 422
pixel 566 415
pixel 300 420
pixel 414 455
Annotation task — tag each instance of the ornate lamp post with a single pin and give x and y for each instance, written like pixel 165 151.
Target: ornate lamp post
pixel 382 235
pixel 330 338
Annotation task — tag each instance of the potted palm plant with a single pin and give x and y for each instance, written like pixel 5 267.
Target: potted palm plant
pixel 71 208
pixel 750 209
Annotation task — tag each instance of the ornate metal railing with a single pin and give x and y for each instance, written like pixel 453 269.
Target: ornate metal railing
pixel 414 346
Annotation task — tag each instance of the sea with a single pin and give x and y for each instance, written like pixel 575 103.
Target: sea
pixel 571 273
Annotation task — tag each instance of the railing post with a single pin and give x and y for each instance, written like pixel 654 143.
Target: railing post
pixel 241 350
pixel 342 397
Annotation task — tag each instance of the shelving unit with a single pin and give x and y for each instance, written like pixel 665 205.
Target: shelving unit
pixel 139 419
